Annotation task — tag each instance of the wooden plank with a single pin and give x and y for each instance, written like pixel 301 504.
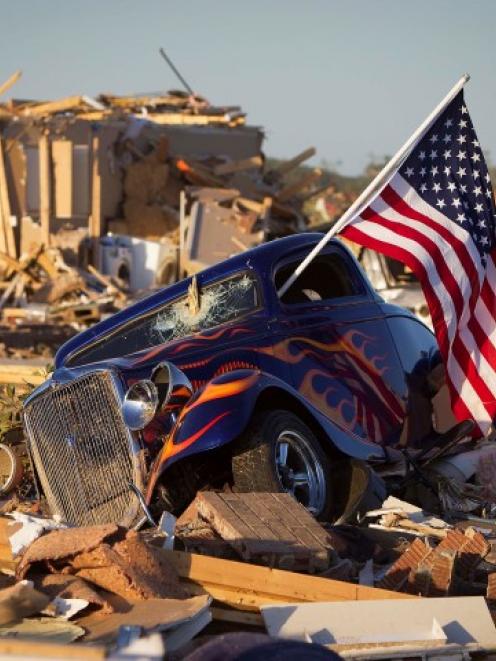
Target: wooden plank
pixel 45 188
pixel 8 230
pixel 237 617
pixel 274 583
pixel 62 173
pixel 20 372
pixel 51 107
pixel 96 199
pixel 290 190
pixel 10 81
pixel 37 649
pixel 293 163
pixel 191 120
pixel 239 166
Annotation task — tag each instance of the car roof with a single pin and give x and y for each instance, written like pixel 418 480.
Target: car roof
pixel 261 259
pixel 263 256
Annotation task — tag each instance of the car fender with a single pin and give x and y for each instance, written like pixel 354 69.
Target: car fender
pixel 221 410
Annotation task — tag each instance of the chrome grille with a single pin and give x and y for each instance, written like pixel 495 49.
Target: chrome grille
pixel 82 451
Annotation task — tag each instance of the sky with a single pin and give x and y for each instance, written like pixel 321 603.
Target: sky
pixel 353 78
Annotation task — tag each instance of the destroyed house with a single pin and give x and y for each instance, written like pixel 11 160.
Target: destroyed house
pixel 64 163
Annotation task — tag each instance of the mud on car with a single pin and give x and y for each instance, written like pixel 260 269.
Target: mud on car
pixel 217 381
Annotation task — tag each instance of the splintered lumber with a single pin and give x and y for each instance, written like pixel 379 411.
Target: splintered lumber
pixel 5 214
pixel 198 174
pixel 201 120
pixel 106 282
pixel 246 587
pixel 293 163
pixel 7 528
pixel 239 166
pixel 9 82
pixel 140 101
pixel 290 190
pixel 96 198
pixel 51 107
pixel 38 649
pixel 45 188
pixel 21 372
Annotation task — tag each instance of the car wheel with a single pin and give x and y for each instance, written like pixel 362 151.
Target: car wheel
pixel 278 452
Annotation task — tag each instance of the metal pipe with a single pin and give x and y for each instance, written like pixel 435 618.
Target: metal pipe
pixel 172 66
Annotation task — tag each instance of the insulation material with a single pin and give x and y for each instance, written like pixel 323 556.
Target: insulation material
pixel 32 528
pixel 60 544
pixel 131 569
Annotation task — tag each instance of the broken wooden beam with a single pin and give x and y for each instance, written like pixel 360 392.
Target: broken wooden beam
pixel 45 187
pixel 8 230
pixel 4 87
pixel 231 167
pixel 22 372
pixel 52 107
pixel 292 189
pixel 283 168
pixel 246 587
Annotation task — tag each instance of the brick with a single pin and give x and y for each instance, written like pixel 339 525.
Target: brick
pixel 434 575
pixel 471 548
pixel 491 588
pixel 270 528
pixel 397 575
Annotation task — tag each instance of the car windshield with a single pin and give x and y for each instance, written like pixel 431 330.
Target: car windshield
pixel 221 302
pixel 199 310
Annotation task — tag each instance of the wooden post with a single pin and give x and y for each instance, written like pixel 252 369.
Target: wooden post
pixel 8 230
pixel 45 188
pixel 96 201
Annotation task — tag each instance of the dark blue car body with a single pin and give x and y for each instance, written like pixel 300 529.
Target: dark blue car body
pixel 331 350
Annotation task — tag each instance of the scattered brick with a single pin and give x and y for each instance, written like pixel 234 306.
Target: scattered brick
pixel 269 528
pixel 397 575
pixel 471 548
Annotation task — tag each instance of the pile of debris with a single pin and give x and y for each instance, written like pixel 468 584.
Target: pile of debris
pixel 212 207
pixel 147 188
pixel 116 590
pixel 44 302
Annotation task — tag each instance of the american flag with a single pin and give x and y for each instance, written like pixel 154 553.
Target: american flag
pixel 436 214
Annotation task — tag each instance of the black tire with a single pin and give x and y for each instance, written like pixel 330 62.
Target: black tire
pixel 255 466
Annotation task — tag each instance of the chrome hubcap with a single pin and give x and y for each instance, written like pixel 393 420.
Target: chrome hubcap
pixel 300 471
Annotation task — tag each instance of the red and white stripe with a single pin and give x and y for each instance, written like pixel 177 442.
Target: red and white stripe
pixel 460 293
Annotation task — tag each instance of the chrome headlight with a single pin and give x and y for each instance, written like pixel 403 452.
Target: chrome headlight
pixel 140 404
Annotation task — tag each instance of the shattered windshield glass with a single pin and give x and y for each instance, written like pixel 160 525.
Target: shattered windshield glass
pixel 201 309
pixel 218 303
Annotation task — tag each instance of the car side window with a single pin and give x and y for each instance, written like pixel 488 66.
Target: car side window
pixel 219 303
pixel 326 278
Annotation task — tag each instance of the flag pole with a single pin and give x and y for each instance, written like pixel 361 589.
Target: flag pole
pixel 376 184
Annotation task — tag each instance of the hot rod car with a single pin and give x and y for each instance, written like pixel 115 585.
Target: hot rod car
pixel 217 380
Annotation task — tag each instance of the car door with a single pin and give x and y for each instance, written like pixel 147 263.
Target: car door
pixel 332 333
